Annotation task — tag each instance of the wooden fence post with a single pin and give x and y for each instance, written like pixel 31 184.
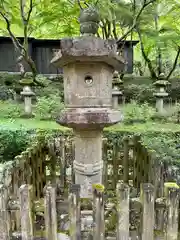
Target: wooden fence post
pixel 75 212
pixel 98 212
pixel 172 201
pixel 50 212
pixel 73 157
pixel 136 159
pixel 4 220
pixel 160 207
pixel 115 162
pixel 147 194
pixel 122 192
pixel 26 212
pixel 52 154
pixel 62 162
pixel 126 160
pixel 105 163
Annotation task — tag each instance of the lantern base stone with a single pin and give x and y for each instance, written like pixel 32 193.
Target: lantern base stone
pixel 91 118
pixel 88 164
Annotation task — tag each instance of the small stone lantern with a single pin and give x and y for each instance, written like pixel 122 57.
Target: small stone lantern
pixel 27 93
pixel 88 64
pixel 161 93
pixel 117 90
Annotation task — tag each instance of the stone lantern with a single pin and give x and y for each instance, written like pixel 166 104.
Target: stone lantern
pixel 88 64
pixel 117 92
pixel 161 93
pixel 27 93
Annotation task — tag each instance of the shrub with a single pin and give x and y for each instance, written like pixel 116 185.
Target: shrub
pixel 174 113
pixel 8 79
pixel 170 114
pixel 48 107
pixel 12 143
pixel 167 149
pixel 140 93
pixel 48 91
pixel 134 111
pixel 10 109
pixel 6 93
pixel 174 91
pixel 53 86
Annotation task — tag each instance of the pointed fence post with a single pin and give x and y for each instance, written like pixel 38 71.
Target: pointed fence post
pixel 126 160
pixel 75 212
pixel 25 192
pixel 122 192
pixel 98 212
pixel 62 162
pixel 147 194
pixel 160 211
pixel 172 201
pixel 50 212
pixel 4 220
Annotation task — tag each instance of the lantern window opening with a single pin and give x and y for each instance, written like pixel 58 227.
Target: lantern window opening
pixel 88 79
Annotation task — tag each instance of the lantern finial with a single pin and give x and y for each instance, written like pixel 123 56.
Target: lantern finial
pixel 89 21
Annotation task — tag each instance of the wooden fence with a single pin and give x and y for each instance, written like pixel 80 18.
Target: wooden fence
pixel 45 160
pixel 151 218
pixel 51 160
pixel 129 161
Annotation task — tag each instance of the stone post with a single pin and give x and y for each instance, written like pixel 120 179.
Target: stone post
pixel 27 93
pixel 171 191
pixel 98 213
pixel 122 192
pixel 147 198
pixel 4 219
pixel 88 64
pixel 117 90
pixel 115 97
pixel 161 93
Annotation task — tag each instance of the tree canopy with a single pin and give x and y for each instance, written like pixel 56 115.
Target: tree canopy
pixel 155 23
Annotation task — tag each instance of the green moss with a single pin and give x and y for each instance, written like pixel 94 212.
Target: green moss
pixel 39 205
pixel 171 185
pixel 161 83
pixel 26 81
pixel 99 187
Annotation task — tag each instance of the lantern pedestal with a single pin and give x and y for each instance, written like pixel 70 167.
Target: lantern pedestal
pixel 27 93
pixel 161 93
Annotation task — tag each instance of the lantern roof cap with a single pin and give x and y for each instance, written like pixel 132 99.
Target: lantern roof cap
pixel 88 49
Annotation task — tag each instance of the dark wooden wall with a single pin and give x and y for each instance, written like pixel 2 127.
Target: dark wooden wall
pixel 42 52
pixel 8 57
pixel 127 48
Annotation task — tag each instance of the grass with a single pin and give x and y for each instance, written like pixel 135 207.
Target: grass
pixel 28 123
pixel 147 127
pixel 37 124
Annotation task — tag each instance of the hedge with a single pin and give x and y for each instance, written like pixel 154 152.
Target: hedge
pixel 165 143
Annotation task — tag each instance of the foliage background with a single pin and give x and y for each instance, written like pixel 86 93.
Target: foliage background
pixel 158 23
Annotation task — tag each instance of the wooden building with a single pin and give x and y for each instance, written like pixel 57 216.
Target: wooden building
pixel 42 51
